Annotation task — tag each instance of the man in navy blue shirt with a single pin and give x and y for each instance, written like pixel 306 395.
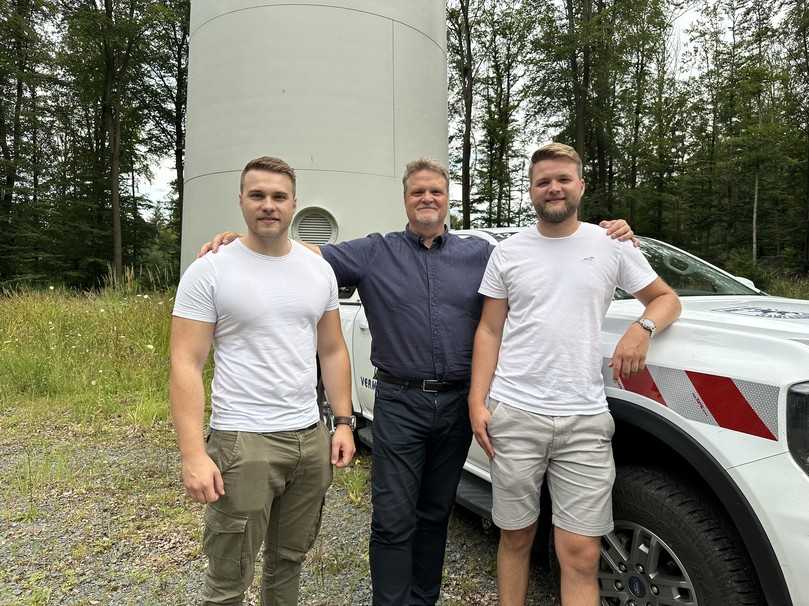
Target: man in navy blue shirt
pixel 419 290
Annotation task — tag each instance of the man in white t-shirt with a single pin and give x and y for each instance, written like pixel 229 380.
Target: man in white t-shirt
pixel 268 305
pixel 537 401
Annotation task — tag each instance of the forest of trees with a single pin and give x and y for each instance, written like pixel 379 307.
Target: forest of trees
pixel 92 96
pixel 692 120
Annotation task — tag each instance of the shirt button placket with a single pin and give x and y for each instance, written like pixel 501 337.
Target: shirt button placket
pixel 434 314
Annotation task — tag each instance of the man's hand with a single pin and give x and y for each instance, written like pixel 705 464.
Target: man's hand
pixel 221 239
pixel 480 416
pixel 342 446
pixel 619 229
pixel 630 353
pixel 202 479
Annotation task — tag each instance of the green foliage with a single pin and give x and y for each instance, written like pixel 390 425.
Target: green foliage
pixel 795 287
pixel 72 74
pixel 354 481
pixel 97 354
pixel 697 136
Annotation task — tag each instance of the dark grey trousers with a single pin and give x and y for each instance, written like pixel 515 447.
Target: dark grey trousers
pixel 420 444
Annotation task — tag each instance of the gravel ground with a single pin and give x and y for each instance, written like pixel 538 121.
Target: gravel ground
pixel 93 513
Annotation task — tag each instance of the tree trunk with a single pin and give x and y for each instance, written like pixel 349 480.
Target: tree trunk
pixel 180 101
pixel 115 195
pixel 578 80
pixel 755 215
pixel 806 231
pixel 5 192
pixel 12 155
pixel 634 149
pixel 587 16
pixel 34 145
pixel 468 91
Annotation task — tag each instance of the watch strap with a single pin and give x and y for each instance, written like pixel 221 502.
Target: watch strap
pixel 350 421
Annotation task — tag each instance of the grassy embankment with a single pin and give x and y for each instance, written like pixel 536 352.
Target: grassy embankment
pixel 92 358
pixel 105 355
pixel 80 375
pixel 89 462
pixel 796 288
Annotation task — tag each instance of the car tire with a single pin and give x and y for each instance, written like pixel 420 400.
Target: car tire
pixel 672 544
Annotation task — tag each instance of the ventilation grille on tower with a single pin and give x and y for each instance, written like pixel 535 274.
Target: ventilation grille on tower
pixel 314 225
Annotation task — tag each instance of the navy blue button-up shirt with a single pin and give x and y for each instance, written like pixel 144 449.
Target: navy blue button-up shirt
pixel 422 304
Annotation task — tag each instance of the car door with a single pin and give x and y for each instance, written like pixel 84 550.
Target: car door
pixel 363 370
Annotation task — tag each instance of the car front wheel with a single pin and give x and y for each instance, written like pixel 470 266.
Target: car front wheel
pixel 672 545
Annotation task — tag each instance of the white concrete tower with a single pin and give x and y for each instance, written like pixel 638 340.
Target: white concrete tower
pixel 345 91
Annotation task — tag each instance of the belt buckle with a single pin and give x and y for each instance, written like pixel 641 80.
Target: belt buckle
pixel 426 382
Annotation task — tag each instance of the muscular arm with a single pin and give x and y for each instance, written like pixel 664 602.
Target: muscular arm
pixel 336 372
pixel 190 343
pixel 226 237
pixel 313 247
pixel 484 362
pixel 662 305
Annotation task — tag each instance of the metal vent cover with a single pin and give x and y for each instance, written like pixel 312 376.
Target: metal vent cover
pixel 314 225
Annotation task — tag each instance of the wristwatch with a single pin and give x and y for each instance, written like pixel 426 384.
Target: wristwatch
pixel 350 421
pixel 647 325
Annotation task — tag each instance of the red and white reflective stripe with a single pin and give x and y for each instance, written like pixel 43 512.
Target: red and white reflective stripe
pixel 750 408
pixel 644 384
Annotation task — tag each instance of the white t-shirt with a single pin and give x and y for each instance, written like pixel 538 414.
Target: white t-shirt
pixel 558 291
pixel 266 311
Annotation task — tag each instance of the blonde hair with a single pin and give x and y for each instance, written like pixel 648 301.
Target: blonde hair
pixel 424 164
pixel 555 151
pixel 271 165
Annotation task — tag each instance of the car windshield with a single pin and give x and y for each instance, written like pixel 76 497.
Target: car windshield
pixel 687 275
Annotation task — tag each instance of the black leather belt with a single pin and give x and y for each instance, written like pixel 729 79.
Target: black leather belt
pixel 427 385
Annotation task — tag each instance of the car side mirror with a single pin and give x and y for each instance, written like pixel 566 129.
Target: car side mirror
pixel 746 281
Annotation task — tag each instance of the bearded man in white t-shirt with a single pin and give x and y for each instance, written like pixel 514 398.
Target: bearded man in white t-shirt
pixel 268 305
pixel 537 401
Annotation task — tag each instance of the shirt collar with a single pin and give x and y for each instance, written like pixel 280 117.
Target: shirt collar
pixel 414 238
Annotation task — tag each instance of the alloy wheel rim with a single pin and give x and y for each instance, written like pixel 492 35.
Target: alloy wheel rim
pixel 638 568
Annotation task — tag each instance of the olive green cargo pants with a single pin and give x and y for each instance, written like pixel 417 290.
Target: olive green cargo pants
pixel 275 484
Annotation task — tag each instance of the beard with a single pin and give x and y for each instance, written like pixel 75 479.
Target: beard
pixel 555 214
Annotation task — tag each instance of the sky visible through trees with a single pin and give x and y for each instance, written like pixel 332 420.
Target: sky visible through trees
pixel 692 119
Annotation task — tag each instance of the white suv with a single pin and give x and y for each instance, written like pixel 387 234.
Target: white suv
pixel 711 499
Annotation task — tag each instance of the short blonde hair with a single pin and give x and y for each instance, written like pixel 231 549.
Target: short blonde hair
pixel 424 164
pixel 555 151
pixel 271 165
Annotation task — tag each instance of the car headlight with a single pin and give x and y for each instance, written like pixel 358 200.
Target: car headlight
pixel 798 423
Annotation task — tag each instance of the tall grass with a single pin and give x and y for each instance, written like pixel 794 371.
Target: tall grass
pixel 97 354
pixel 789 286
pixel 105 353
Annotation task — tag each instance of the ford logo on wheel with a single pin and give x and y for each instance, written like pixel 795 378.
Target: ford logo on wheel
pixel 637 587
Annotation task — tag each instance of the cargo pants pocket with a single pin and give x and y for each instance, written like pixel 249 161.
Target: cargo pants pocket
pixel 223 542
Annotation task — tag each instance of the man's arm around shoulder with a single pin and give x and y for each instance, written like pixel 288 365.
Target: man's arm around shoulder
pixel 190 343
pixel 662 306
pixel 484 362
pixel 335 369
pixel 313 247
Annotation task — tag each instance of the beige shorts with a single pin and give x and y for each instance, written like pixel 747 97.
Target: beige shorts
pixel 576 452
